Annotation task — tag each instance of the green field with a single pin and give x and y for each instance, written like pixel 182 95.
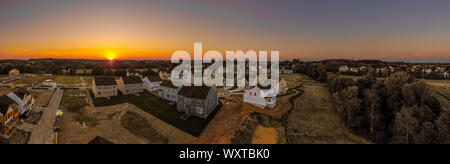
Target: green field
pixel 442 90
pixel 67 80
pixel 88 80
pixel 293 80
pixel 161 109
pixel 30 80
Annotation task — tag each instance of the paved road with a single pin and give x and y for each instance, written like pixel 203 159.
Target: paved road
pixel 43 133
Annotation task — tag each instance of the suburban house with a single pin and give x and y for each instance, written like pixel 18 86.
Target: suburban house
pixel 24 100
pixel 134 73
pixel 168 91
pixel 131 85
pixel 14 73
pixel 344 68
pixel 261 97
pixel 49 83
pixel 9 112
pixel 104 87
pixel 197 101
pixel 151 83
pixel 164 75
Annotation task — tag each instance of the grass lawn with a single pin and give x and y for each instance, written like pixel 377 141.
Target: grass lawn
pixel 67 79
pixel 31 80
pixel 161 109
pixel 292 80
pixel 88 80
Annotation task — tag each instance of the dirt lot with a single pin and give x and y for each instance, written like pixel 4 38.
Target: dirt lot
pixel 265 135
pixel 231 117
pixel 42 97
pixel 313 120
pixel 19 137
pixel 108 122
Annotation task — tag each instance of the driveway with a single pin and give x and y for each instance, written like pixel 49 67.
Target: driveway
pixel 43 133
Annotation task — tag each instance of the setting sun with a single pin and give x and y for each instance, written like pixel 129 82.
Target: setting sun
pixel 111 55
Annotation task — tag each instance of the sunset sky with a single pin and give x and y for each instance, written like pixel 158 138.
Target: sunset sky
pixel 154 29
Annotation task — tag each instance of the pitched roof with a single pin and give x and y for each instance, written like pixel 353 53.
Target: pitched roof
pixel 199 92
pixel 168 84
pixel 5 102
pixel 21 92
pixel 102 81
pixel 154 78
pixel 132 80
pixel 100 140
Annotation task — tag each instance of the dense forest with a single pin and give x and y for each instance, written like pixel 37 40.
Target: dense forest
pixel 400 109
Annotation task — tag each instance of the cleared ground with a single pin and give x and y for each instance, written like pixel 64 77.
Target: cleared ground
pixel 42 97
pixel 265 135
pixel 314 120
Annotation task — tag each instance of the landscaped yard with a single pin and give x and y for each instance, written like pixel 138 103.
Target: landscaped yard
pixel 161 109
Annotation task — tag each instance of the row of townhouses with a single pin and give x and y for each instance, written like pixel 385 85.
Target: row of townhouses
pixel 197 101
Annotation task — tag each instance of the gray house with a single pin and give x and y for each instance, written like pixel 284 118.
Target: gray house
pixel 197 101
pixel 168 91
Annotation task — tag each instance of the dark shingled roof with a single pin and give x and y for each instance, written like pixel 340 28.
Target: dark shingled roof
pixel 198 92
pixel 102 81
pixel 132 80
pixel 100 140
pixel 154 78
pixel 20 92
pixel 168 84
pixel 5 102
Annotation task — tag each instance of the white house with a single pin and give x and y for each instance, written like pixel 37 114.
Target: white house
pixel 104 87
pixel 168 91
pixel 14 73
pixel 261 97
pixel 49 83
pixel 151 83
pixel 344 68
pixel 130 85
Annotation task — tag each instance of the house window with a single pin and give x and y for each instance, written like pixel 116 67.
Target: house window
pixel 199 110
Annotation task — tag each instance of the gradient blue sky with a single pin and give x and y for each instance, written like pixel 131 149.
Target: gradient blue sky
pixel 142 29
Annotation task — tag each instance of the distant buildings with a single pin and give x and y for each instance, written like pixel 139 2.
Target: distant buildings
pixel 49 83
pixel 344 68
pixel 164 75
pixel 104 87
pixel 14 73
pixel 168 91
pixel 152 83
pixel 197 101
pixel 131 85
pixel 261 97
